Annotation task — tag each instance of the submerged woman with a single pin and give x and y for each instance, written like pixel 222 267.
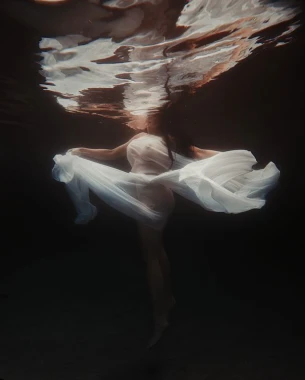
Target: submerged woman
pixel 162 161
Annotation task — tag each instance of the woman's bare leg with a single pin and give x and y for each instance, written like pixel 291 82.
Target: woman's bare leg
pixel 150 244
pixel 158 272
pixel 166 271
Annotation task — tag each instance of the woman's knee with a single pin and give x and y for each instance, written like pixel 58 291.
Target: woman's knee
pixel 151 250
pixel 149 235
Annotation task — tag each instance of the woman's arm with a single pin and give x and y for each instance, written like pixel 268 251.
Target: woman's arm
pixel 105 154
pixel 201 154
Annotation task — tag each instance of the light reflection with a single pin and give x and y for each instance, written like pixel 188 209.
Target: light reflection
pixel 50 1
pixel 149 65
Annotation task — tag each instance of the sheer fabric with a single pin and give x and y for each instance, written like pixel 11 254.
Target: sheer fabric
pixel 224 182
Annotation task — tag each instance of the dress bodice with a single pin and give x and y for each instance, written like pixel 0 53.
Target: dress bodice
pixel 148 154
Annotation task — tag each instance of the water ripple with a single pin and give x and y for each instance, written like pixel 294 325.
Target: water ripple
pixel 149 52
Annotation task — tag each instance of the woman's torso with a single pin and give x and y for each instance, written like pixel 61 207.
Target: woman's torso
pixel 148 154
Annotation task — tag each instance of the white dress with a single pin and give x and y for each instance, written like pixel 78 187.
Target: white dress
pixel 224 182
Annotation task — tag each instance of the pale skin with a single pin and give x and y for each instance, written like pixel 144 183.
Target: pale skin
pixel 151 240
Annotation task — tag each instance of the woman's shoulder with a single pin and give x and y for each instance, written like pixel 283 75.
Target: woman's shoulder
pixel 135 137
pixel 147 136
pixel 138 135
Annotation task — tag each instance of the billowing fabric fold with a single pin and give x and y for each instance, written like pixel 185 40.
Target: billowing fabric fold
pixel 224 182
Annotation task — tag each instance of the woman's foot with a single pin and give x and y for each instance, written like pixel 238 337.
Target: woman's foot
pixel 169 306
pixel 172 303
pixel 158 332
pixel 161 323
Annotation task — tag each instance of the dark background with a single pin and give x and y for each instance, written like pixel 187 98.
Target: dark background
pixel 253 258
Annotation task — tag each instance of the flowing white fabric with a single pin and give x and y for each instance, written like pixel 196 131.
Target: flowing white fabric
pixel 224 182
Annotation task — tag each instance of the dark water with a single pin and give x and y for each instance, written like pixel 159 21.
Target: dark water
pixel 75 302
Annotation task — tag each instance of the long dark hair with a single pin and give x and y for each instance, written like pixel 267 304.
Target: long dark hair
pixel 175 138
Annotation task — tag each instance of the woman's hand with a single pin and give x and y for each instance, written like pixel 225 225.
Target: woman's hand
pixel 201 154
pixel 75 151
